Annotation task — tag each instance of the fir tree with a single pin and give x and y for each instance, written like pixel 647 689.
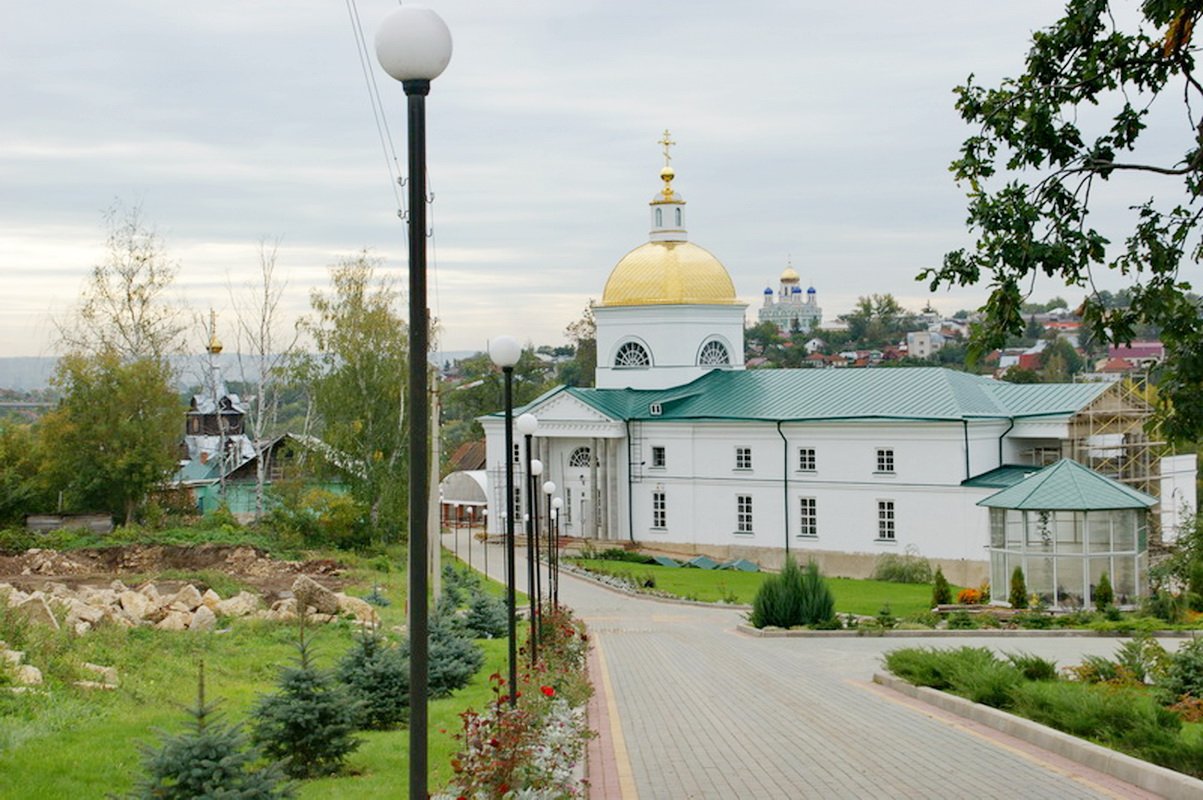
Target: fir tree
pixel 453 658
pixel 941 592
pixel 1019 589
pixel 377 676
pixel 309 722
pixel 1104 595
pixel 212 760
pixel 486 617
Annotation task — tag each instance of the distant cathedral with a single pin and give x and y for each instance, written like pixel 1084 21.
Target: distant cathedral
pixel 788 308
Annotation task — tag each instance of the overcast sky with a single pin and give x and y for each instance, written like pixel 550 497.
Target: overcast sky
pixel 817 132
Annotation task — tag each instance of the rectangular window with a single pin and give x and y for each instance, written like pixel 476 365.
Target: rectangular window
pixel 806 459
pixel 885 460
pixel 743 513
pixel 885 519
pixel 658 457
pixel 808 518
pixel 659 511
pixel 743 458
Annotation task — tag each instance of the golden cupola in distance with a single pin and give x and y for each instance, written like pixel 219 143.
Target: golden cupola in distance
pixel 668 269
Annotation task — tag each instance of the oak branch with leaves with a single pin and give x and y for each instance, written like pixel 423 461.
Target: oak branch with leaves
pixel 1033 162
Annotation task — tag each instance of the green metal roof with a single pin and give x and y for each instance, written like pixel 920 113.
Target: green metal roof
pixel 1001 477
pixel 918 393
pixel 1068 486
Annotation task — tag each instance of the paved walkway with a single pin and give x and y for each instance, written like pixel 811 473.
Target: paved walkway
pixel 705 712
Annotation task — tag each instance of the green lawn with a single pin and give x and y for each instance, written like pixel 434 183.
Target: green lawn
pixel 73 743
pixel 851 596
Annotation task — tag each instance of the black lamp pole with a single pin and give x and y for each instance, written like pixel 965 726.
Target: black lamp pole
pixel 419 433
pixel 531 504
pixel 510 592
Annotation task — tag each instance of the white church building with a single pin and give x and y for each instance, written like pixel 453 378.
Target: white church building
pixel 682 450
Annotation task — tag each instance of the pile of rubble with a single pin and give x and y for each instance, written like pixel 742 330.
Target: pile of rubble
pixel 188 608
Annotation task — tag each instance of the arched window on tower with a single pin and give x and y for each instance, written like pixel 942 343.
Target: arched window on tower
pixel 678 217
pixel 659 218
pixel 581 457
pixel 714 354
pixel 632 355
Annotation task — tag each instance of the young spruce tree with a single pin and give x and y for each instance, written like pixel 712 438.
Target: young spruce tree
pixel 309 722
pixel 210 760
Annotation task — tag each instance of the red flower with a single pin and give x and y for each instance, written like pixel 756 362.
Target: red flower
pixel 547 691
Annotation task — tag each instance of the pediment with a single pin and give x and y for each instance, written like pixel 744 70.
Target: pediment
pixel 563 407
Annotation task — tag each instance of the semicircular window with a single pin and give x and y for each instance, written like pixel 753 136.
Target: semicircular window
pixel 580 457
pixel 632 354
pixel 714 354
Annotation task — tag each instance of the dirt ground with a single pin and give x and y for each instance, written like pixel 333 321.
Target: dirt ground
pixel 35 568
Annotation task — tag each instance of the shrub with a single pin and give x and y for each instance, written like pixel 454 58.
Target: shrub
pixel 1019 589
pixel 969 597
pixel 989 682
pixel 775 603
pixel 816 602
pixel 1184 674
pixel 316 517
pixel 618 554
pixel 1103 594
pixel 377 678
pixel 1033 667
pixel 487 617
pixel 1128 719
pixel 1144 657
pixel 211 760
pixel 945 669
pixel 941 592
pixel 1194 584
pixel 910 567
pixel 961 621
pixel 453 657
pixel 1165 605
pixel 1033 620
pixel 309 721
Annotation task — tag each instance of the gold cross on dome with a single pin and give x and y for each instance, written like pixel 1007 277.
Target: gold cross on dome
pixel 667 142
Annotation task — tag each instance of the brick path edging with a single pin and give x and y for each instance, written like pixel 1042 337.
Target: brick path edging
pixel 1159 780
pixel 929 633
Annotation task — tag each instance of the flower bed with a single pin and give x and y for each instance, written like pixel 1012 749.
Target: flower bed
pixel 533 748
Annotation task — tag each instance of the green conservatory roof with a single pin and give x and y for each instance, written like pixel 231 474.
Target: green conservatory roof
pixel 918 393
pixel 1001 477
pixel 1068 486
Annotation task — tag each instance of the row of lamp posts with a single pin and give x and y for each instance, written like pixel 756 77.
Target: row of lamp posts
pixel 413 45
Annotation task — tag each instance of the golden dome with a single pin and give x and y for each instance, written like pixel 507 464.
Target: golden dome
pixel 669 273
pixel 789 276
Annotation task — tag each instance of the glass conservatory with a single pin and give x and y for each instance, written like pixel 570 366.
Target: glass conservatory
pixel 1065 526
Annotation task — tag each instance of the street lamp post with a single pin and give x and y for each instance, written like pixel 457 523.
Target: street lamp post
pixel 505 352
pixel 527 424
pixel 536 470
pixel 556 505
pixel 413 46
pixel 549 488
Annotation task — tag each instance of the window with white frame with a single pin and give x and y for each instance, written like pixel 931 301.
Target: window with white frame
pixel 632 355
pixel 714 354
pixel 659 510
pixel 806 459
pixel 885 459
pixel 743 458
pixel 658 457
pixel 743 513
pixel 808 517
pixel 885 520
pixel 580 457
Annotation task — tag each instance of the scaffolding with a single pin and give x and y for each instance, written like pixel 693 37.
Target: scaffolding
pixel 1116 435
